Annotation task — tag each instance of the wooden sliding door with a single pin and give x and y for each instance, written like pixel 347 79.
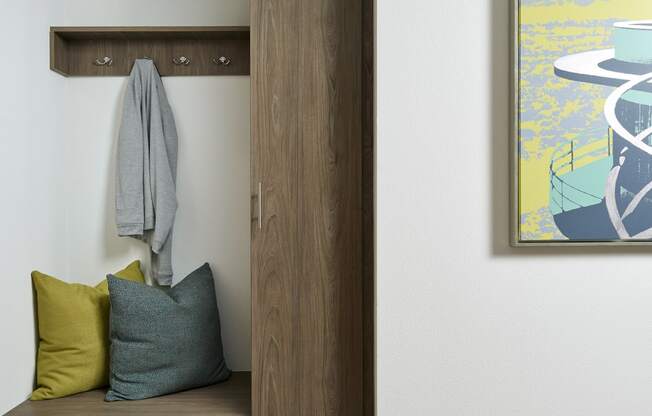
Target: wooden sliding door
pixel 307 244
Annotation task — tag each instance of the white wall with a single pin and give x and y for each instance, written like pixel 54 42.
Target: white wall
pixel 156 12
pixel 212 115
pixel 466 325
pixel 57 142
pixel 31 174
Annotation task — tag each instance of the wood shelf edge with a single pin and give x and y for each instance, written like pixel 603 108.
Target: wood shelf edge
pixel 73 49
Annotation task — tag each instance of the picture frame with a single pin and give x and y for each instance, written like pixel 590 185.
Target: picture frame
pixel 557 224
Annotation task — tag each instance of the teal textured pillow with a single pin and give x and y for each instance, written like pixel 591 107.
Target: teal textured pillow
pixel 164 340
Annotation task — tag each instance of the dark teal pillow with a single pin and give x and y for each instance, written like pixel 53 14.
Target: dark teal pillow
pixel 164 340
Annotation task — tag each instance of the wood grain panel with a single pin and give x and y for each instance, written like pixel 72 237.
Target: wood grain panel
pixel 307 259
pixel 275 248
pixel 231 398
pixel 330 215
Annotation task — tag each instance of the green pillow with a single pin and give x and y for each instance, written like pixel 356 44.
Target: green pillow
pixel 73 326
pixel 164 340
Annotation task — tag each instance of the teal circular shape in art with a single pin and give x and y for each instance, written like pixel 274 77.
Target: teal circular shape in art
pixel 633 41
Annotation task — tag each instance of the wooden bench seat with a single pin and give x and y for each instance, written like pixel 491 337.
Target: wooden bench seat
pixel 232 398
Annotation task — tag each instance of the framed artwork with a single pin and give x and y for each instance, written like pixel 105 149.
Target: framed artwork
pixel 582 133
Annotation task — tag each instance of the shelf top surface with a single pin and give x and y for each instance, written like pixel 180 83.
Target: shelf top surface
pixel 150 32
pixel 232 398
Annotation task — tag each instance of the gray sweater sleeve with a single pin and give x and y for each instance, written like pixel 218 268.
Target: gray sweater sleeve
pixel 129 193
pixel 163 164
pixel 163 172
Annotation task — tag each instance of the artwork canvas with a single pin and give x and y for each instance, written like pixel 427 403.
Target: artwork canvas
pixel 583 122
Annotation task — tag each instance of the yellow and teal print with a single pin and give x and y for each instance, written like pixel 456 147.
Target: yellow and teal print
pixel 585 120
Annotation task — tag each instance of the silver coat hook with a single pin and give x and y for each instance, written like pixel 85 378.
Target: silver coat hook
pixel 106 61
pixel 181 60
pixel 222 60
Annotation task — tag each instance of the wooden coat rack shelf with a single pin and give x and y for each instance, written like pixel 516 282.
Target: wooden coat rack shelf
pixel 111 51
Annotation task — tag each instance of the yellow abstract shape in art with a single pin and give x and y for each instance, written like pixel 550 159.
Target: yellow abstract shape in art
pixel 596 10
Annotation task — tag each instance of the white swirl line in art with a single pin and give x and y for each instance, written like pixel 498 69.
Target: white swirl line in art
pixel 636 141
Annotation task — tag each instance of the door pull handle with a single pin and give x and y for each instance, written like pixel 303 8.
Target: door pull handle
pixel 260 205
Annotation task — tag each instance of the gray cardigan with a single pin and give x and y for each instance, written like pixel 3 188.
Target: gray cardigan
pixel 146 200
